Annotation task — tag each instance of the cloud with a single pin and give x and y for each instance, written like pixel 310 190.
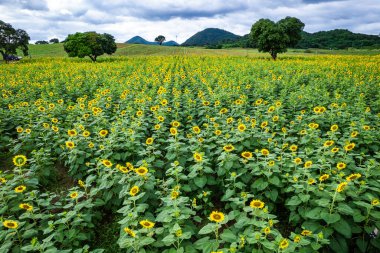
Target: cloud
pixel 179 18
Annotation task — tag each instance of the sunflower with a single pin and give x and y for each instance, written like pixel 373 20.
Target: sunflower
pixel 366 128
pixel 375 202
pixel 74 195
pixel 228 148
pixel 334 128
pixel 176 124
pixel 134 190
pixel 218 132
pixel 10 224
pixel 139 113
pixel 264 124
pixel 149 141
pixel 328 143
pixel 341 186
pixel 71 132
pixel 341 166
pixel 297 160
pixel 257 204
pixel 324 177
pixel 310 181
pixel 55 128
pixel 86 133
pixel 19 160
pixel 265 152
pixel 19 129
pixel 354 134
pixel 70 144
pixel 266 230
pixel 54 120
pixel 297 239
pixel 241 127
pixel 2 180
pixel 306 232
pixel 197 157
pixel 130 232
pixel 284 244
pixel 223 110
pixel 26 207
pixel 107 163
pixel 217 216
pixel 20 189
pixel 196 129
pixel 141 171
pixel 308 164
pixel 293 148
pixel 173 131
pixel 81 183
pixel 174 194
pixel 91 145
pixel 334 150
pixel 103 133
pixel 246 154
pixel 349 146
pixel 353 176
pixel 147 224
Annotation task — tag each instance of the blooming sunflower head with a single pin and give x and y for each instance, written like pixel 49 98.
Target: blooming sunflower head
pixel 173 131
pixel 241 127
pixel 324 177
pixel 353 177
pixel 134 190
pixel 20 189
pixel 149 141
pixel 147 224
pixel 293 148
pixel 341 165
pixel 107 163
pixel 306 232
pixel 196 129
pixel 257 204
pixel 246 154
pixel 72 132
pixel 284 244
pixel 74 195
pixel 19 160
pixel 103 132
pixel 26 207
pixel 130 232
pixel 265 152
pixel 341 186
pixel 141 171
pixel 228 148
pixel 349 146
pixel 197 157
pixel 70 144
pixel 328 143
pixel 10 224
pixel 217 216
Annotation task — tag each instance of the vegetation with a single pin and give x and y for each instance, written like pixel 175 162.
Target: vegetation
pixel 210 36
pixel 160 39
pixel 41 42
pixel 338 39
pixel 12 39
pixel 89 44
pixel 54 40
pixel 191 154
pixel 276 37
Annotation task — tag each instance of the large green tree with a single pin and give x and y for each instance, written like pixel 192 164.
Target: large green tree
pixel 276 37
pixel 160 39
pixel 89 44
pixel 11 39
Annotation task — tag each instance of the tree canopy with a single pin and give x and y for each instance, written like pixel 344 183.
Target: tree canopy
pixel 11 39
pixel 160 39
pixel 54 40
pixel 276 37
pixel 89 44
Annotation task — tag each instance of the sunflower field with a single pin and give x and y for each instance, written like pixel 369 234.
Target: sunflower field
pixel 191 154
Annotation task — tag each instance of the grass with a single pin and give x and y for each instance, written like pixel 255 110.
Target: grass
pixel 56 50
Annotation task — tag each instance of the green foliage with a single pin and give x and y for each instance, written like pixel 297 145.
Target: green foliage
pixel 89 44
pixel 338 39
pixel 12 39
pixel 276 37
pixel 160 39
pixel 41 42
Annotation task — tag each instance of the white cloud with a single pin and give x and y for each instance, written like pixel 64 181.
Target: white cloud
pixel 181 18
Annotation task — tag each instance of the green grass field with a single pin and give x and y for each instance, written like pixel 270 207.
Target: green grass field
pixel 56 50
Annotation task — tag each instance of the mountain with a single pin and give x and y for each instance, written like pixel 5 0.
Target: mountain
pixel 338 39
pixel 211 36
pixel 140 40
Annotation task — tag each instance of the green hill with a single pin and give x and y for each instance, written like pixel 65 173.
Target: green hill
pixel 211 36
pixel 338 39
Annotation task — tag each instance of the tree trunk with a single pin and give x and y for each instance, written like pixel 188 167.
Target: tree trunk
pixel 5 56
pixel 93 58
pixel 274 55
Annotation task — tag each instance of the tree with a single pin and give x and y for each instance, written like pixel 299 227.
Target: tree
pixel 276 37
pixel 89 44
pixel 41 42
pixel 160 39
pixel 11 39
pixel 54 40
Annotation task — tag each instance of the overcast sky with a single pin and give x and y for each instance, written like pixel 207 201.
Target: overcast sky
pixel 46 19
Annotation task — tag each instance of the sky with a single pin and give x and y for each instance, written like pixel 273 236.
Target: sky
pixel 179 19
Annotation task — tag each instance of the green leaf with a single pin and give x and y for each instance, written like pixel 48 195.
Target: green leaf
pixel 343 228
pixel 274 180
pixel 260 184
pixel 294 201
pixel 168 240
pixel 314 213
pixel 200 181
pixel 146 241
pixel 330 218
pixel 339 245
pixel 228 236
pixel 323 202
pixel 345 209
pixel 209 228
pixel 304 197
pixel 229 193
